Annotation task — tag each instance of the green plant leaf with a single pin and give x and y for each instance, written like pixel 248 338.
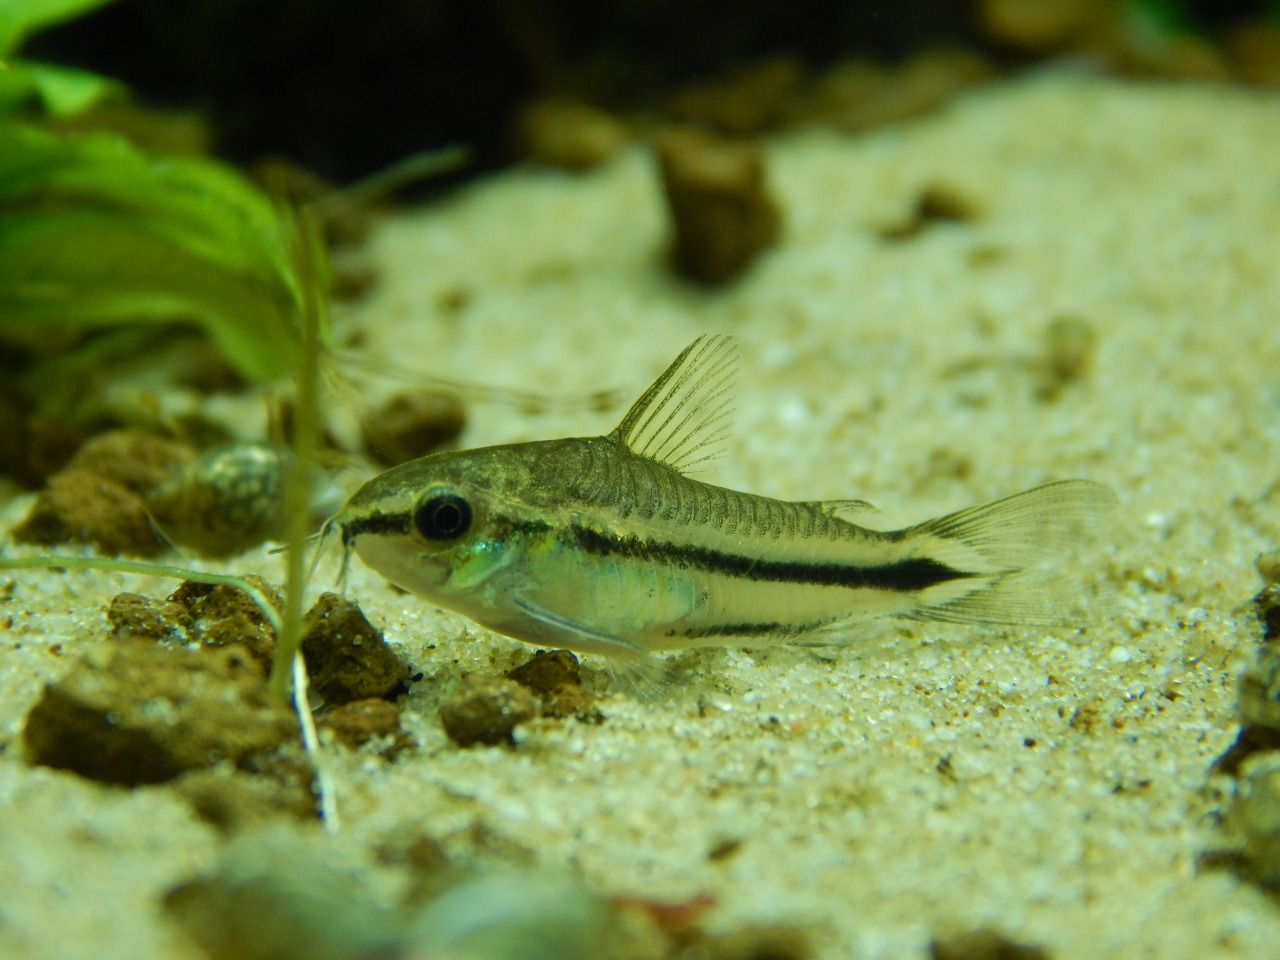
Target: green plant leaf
pixel 95 232
pixel 61 91
pixel 21 18
pixel 68 90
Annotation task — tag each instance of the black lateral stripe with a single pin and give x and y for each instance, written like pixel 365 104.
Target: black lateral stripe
pixel 377 523
pixel 917 573
pixel 385 523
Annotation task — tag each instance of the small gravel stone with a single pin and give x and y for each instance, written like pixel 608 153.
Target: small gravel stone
pixel 486 710
pixel 358 722
pixel 347 657
pixel 548 669
pixel 570 136
pixel 225 616
pixel 142 618
pixel 983 945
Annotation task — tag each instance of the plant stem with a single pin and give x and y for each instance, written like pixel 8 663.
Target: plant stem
pixel 308 254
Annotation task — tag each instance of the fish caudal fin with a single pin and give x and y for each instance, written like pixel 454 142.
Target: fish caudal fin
pixel 1010 553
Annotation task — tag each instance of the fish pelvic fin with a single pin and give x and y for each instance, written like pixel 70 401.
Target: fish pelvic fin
pixel 683 419
pixel 1011 552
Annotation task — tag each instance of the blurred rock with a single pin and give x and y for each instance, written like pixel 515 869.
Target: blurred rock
pixel 859 95
pixel 568 135
pixel 98 497
pixel 1036 26
pixel 131 713
pixel 361 721
pixel 750 100
pixel 411 425
pixel 719 201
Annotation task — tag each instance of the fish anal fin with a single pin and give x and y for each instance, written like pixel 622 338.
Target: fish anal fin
pixel 682 420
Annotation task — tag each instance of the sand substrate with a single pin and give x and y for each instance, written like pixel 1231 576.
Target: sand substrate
pixel 1051 785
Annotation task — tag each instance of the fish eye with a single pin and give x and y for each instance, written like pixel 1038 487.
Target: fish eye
pixel 444 516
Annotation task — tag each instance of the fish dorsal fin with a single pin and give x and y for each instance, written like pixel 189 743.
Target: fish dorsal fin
pixel 682 420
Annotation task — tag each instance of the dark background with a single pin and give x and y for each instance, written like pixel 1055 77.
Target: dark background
pixel 347 88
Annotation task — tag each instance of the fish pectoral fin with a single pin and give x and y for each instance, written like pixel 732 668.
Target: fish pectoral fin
pixel 682 420
pixel 587 638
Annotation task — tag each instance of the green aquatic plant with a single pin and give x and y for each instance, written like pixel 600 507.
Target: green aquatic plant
pixel 56 90
pixel 97 233
pixel 94 232
pixel 303 256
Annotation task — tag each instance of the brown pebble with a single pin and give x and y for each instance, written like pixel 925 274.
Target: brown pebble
pixel 454 300
pixel 1187 58
pixel 1254 51
pixel 570 700
pixel 1254 817
pixel 548 669
pixel 97 497
pixel 142 618
pixel 1268 567
pixel 1250 741
pixel 412 425
pixel 1035 26
pixel 83 507
pixel 554 675
pixel 983 945
pixel 717 194
pixel 937 203
pixel 134 459
pixel 1069 346
pixel 358 722
pixel 859 96
pixel 1259 690
pixel 226 616
pixel 1267 605
pixel 423 857
pixel 570 136
pixel 749 100
pixel 724 849
pixel 486 710
pixel 347 657
pixel 133 712
pixel 1087 717
pixel 420 852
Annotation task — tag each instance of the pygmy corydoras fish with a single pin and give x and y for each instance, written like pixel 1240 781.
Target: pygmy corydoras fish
pixel 606 545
